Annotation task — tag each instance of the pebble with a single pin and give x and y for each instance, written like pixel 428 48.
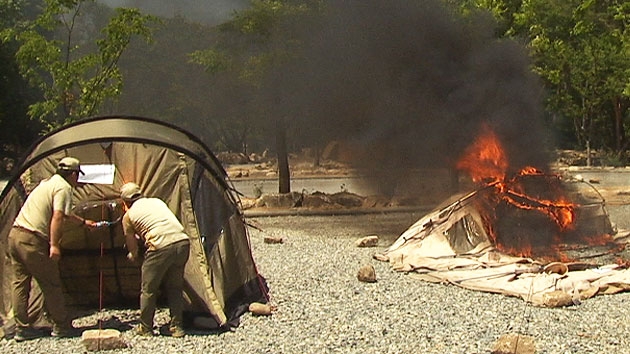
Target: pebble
pixel 323 308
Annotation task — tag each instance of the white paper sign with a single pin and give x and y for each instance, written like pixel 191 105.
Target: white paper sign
pixel 97 174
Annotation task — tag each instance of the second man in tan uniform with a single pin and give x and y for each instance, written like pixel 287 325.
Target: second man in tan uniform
pixel 165 258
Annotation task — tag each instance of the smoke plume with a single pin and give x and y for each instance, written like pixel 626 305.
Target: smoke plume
pixel 202 11
pixel 410 84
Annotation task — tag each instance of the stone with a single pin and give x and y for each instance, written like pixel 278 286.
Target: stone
pixel 102 339
pixel 347 199
pixel 259 309
pixel 368 241
pixel 367 274
pixel 273 239
pixel 318 200
pixel 281 200
pixel 513 343
pixel 557 298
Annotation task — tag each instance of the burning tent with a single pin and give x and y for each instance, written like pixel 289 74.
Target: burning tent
pixel 545 238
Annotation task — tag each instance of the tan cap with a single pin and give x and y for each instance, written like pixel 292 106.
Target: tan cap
pixel 70 164
pixel 130 191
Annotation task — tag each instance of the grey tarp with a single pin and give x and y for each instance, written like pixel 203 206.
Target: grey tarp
pixel 221 278
pixel 452 245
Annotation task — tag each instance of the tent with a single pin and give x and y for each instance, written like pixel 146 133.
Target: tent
pixel 221 278
pixel 510 239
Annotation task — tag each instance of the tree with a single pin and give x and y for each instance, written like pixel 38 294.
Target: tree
pixel 390 78
pixel 75 77
pixel 161 81
pixel 504 12
pixel 15 95
pixel 254 48
pixel 581 51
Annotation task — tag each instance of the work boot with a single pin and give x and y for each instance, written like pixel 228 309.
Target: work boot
pixel 26 333
pixel 64 332
pixel 142 330
pixel 177 331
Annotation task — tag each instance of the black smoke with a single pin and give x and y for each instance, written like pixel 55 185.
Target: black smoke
pixel 202 11
pixel 410 84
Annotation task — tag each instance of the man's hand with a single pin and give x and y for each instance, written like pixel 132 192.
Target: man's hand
pixel 55 253
pixel 91 224
pixel 132 257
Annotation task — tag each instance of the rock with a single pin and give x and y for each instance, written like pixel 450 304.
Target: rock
pixel 235 174
pixel 317 200
pixel 259 309
pixel 102 339
pixel 367 274
pixel 368 241
pixel 248 203
pixel 349 200
pixel 375 201
pixel 513 343
pixel 273 239
pixel 281 200
pixel 557 298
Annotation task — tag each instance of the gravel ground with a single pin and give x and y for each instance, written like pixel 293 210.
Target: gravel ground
pixel 322 308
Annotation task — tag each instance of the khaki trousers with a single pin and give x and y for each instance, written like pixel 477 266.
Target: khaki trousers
pixel 164 267
pixel 29 255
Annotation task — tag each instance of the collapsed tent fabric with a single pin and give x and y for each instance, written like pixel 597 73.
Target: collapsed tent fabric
pixel 457 243
pixel 221 278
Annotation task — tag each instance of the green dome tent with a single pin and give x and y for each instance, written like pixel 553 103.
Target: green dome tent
pixel 221 278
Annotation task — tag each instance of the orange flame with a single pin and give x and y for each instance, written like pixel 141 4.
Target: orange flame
pixel 560 211
pixel 485 160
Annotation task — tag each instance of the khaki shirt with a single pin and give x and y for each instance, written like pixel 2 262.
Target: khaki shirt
pixel 54 193
pixel 154 222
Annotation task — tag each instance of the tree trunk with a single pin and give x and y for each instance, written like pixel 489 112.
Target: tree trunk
pixel 317 157
pixel 284 177
pixel 619 131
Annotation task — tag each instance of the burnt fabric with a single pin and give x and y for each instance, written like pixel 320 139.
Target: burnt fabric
pixel 454 244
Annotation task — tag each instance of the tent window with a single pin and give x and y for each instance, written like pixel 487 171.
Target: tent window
pixel 210 220
pixel 465 234
pixel 98 174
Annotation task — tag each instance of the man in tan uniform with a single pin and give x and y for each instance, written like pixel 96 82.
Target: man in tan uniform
pixel 164 260
pixel 34 249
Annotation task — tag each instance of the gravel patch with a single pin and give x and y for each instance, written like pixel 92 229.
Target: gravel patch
pixel 323 308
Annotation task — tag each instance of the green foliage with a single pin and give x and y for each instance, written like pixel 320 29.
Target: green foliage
pixel 75 79
pixel 214 61
pixel 614 160
pixel 246 48
pixel 9 12
pixel 504 11
pixel 581 50
pixel 250 49
pixel 15 93
pixel 255 47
